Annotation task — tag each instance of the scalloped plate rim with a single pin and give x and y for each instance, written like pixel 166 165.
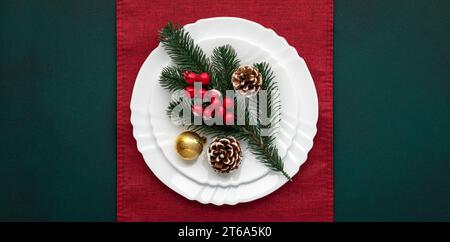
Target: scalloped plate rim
pixel 280 183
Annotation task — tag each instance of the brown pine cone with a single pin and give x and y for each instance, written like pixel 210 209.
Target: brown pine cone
pixel 224 154
pixel 247 80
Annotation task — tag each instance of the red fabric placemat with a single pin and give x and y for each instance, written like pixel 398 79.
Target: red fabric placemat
pixel 307 26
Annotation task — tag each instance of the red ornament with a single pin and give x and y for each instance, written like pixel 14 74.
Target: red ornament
pixel 228 103
pixel 215 103
pixel 190 77
pixel 197 110
pixel 203 92
pixel 190 91
pixel 229 118
pixel 204 78
pixel 214 95
pixel 207 113
pixel 219 111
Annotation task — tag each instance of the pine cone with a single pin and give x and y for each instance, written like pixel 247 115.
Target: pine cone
pixel 224 154
pixel 247 80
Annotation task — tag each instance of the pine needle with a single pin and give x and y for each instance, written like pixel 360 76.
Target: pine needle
pixel 225 62
pixel 182 50
pixel 171 79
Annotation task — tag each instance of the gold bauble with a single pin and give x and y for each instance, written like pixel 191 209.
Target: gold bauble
pixel 189 145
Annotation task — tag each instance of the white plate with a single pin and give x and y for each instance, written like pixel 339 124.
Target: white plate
pixel 155 134
pixel 251 169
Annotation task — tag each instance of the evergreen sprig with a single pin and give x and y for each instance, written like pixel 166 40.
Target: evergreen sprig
pixel 273 97
pixel 171 79
pixel 182 50
pixel 224 62
pixel 263 147
pixel 188 56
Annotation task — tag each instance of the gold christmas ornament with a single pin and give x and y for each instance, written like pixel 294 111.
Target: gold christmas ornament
pixel 246 80
pixel 189 145
pixel 224 154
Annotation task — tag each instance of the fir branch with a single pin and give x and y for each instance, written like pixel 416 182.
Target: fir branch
pixel 171 79
pixel 225 62
pixel 182 50
pixel 214 130
pixel 264 149
pixel 178 117
pixel 271 87
pixel 171 107
pixel 186 55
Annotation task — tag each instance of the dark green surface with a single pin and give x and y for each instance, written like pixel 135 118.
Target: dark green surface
pixel 57 102
pixel 391 105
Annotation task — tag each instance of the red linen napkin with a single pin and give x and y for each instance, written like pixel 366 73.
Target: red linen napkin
pixel 307 26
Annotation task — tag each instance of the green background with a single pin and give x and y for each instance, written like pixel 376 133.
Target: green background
pixel 391 105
